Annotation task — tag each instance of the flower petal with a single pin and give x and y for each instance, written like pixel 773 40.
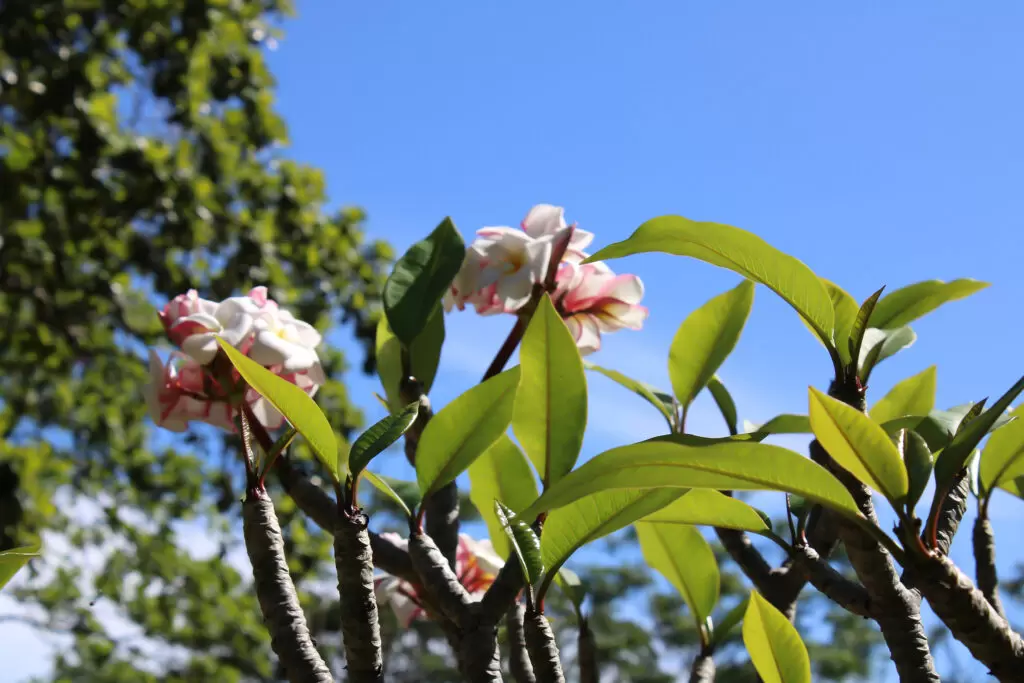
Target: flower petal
pixel 544 219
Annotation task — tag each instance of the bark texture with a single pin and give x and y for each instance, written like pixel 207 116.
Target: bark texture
pixel 360 625
pixel 540 641
pixel 518 658
pixel 985 563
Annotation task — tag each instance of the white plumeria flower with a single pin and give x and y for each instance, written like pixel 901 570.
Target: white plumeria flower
pixel 547 220
pixel 282 339
pixel 592 299
pixel 513 262
pixel 233 320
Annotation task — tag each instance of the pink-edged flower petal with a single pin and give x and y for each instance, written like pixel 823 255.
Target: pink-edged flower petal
pixel 202 347
pixel 266 413
pixel 544 219
pixel 616 316
pixel 586 333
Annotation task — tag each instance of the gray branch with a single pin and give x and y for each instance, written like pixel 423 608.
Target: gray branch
pixel 985 562
pixel 518 658
pixel 360 624
pixel 540 641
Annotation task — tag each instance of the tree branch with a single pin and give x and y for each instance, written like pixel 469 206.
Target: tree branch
pixel 848 594
pixel 703 668
pixel 360 624
pixel 289 635
pixel 985 561
pixel 970 617
pixel 438 580
pixel 951 513
pixel 518 658
pixel 587 654
pixel 319 507
pixel 540 641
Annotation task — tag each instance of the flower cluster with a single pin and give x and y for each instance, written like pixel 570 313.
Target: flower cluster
pixel 503 265
pixel 476 565
pixel 192 386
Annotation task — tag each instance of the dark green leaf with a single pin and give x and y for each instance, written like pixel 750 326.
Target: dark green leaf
pixel 374 440
pixel 524 542
pixel 420 278
pixel 860 324
pixel 740 251
pixel 918 459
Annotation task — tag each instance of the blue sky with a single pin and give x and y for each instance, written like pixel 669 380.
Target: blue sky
pixel 880 144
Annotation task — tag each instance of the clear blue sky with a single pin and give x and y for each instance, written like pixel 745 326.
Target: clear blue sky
pixel 880 144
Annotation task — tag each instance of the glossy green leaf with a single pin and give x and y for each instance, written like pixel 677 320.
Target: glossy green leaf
pixel 1003 457
pixel 707 507
pixel 913 396
pixel 859 445
pixel 907 304
pixel 881 344
pixel 775 647
pixel 501 473
pixel 550 413
pixel 939 426
pixel 954 457
pixel 740 251
pixel 726 406
pixel 731 465
pixel 783 424
pixel 591 517
pixel 424 357
pixel 731 619
pixel 917 458
pixel 12 560
pixel 860 324
pixel 377 438
pixel 681 555
pixel 420 278
pixel 405 494
pixel 292 402
pixel 705 339
pixel 645 391
pixel 464 429
pixel 523 541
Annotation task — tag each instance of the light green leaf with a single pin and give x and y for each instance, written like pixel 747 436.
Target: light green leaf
pixel 1003 457
pixel 707 507
pixel 844 308
pixel 705 340
pixel 1014 487
pixel 785 424
pixel 292 402
pixel 907 304
pixel 731 465
pixel 405 494
pixel 420 278
pixel 12 560
pixel 424 356
pixel 573 588
pixel 645 391
pixel 464 429
pixel 729 621
pixel 919 463
pixel 550 413
pixel 589 518
pixel 954 457
pixel 913 396
pixel 878 345
pixel 681 555
pixel 523 541
pixel 860 325
pixel 739 251
pixel 775 648
pixel 859 445
pixel 374 440
pixel 726 406
pixel 501 473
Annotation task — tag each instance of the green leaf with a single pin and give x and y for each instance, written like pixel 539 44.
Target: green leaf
pixel 707 507
pixel 954 457
pixel 859 445
pixel 844 309
pixel 374 440
pixel 681 555
pixel 1003 457
pixel 913 396
pixel 705 340
pixel 573 588
pixel 729 621
pixel 695 440
pixel 645 391
pixel 405 494
pixel 12 560
pixel 726 406
pixel 524 542
pixel 292 402
pixel 939 426
pixel 860 324
pixel 739 251
pixel 785 424
pixel 909 303
pixel 550 413
pixel 917 458
pixel 731 465
pixel 420 278
pixel 775 648
pixel 881 344
pixel 591 517
pixel 501 473
pixel 464 429
pixel 1014 486
pixel 424 357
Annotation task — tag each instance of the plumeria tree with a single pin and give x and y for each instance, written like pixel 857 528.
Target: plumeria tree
pixel 246 365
